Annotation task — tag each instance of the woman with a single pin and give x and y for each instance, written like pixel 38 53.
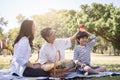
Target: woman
pixel 20 64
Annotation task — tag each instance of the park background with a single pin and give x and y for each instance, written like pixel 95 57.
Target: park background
pixel 101 17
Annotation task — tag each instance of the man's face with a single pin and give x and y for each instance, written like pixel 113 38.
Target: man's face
pixel 51 37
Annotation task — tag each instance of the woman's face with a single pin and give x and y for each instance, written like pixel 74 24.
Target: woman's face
pixel 51 37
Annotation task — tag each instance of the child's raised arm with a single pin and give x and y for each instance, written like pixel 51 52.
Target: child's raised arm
pixel 72 38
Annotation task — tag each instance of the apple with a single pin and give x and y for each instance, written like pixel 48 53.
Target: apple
pixel 81 26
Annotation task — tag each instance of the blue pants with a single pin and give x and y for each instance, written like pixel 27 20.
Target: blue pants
pixel 80 70
pixel 31 72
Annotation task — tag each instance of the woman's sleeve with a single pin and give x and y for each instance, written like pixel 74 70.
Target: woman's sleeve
pixel 23 51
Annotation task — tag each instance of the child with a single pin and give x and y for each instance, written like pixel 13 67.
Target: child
pixel 82 53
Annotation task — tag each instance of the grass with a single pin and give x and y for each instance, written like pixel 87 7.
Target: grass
pixel 111 62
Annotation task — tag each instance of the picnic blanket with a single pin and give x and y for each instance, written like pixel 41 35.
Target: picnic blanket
pixel 4 75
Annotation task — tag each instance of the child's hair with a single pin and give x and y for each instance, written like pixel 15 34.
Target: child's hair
pixel 81 35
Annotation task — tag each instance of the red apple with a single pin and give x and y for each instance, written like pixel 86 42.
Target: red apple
pixel 81 26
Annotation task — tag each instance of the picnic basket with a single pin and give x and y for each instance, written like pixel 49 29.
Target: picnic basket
pixel 61 67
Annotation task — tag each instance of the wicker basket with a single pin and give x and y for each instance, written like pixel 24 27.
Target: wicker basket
pixel 64 66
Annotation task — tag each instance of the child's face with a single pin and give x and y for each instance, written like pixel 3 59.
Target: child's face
pixel 51 37
pixel 83 41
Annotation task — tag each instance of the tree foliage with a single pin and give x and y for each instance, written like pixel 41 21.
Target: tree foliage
pixel 3 22
pixel 20 18
pixel 12 34
pixel 53 19
pixel 103 20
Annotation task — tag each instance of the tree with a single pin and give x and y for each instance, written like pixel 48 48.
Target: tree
pixel 103 20
pixel 11 34
pixel 1 34
pixel 20 18
pixel 53 19
pixel 3 22
pixel 9 38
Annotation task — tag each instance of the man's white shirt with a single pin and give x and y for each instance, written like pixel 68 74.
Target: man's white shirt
pixel 48 51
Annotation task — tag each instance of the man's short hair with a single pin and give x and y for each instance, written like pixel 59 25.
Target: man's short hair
pixel 45 32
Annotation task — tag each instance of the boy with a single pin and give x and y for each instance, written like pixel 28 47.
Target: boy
pixel 82 53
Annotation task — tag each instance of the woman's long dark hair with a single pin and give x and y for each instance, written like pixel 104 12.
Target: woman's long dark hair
pixel 25 30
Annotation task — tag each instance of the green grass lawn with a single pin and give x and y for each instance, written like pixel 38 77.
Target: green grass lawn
pixel 111 62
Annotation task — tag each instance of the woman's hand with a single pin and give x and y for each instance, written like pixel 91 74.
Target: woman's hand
pixel 36 65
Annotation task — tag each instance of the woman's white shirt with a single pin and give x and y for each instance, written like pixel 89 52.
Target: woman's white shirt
pixel 22 52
